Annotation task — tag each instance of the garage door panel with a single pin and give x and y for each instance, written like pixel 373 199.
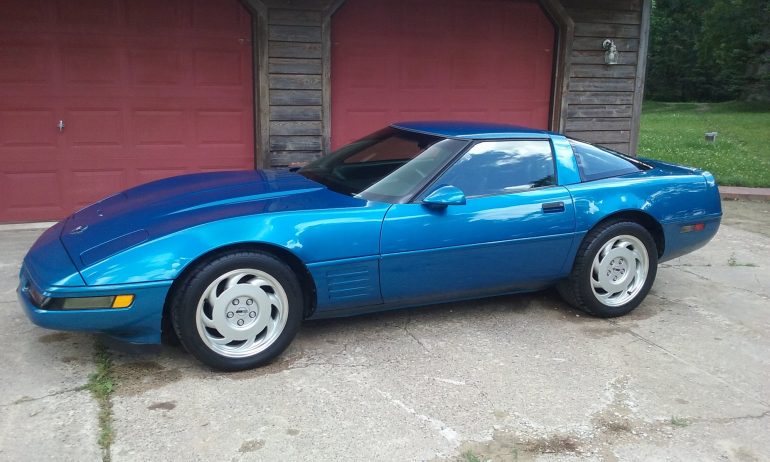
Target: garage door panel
pixel 159 127
pixel 521 117
pixel 472 72
pixel 418 72
pixel 151 15
pixel 27 128
pixel 91 65
pixel 21 14
pixel 227 158
pixel 89 186
pixel 94 127
pixel 101 14
pixel 455 60
pixel 222 127
pixel 416 115
pixel 217 15
pixel 32 190
pixel 25 63
pixel 217 68
pixel 420 20
pixel 156 67
pixel 364 122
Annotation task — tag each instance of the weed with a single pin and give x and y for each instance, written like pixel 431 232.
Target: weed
pixel 679 422
pixel 101 384
pixel 470 456
pixel 732 261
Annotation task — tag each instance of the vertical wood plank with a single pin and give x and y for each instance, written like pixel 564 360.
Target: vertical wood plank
pixel 641 71
pixel 326 78
pixel 565 30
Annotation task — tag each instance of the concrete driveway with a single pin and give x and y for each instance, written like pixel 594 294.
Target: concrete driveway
pixel 684 377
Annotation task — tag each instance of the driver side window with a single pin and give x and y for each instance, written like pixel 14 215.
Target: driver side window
pixel 502 167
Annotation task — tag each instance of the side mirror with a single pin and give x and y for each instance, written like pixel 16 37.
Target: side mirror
pixel 444 196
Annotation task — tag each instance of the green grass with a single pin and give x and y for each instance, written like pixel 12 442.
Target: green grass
pixel 732 261
pixel 470 456
pixel 674 132
pixel 102 384
pixel 679 421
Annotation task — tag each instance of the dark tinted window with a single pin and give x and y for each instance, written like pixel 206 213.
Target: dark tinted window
pixel 387 165
pixel 500 167
pixel 596 163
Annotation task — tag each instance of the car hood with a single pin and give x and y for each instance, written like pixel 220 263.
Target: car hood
pixel 159 208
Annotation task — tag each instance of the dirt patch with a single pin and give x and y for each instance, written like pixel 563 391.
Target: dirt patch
pixel 602 331
pixel 165 406
pixel 509 447
pixel 55 337
pixel 135 378
pixel 616 422
pixel 251 445
pixel 554 444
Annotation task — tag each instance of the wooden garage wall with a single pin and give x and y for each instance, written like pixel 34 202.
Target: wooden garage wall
pixel 603 102
pixel 600 103
pixel 290 55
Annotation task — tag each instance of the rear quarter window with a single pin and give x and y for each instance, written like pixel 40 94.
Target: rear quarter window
pixel 596 163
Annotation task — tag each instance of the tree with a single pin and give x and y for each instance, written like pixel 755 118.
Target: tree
pixel 709 50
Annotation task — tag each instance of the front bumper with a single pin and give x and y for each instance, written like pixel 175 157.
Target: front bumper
pixel 139 323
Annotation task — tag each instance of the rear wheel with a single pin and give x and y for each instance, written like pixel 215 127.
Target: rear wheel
pixel 238 311
pixel 613 271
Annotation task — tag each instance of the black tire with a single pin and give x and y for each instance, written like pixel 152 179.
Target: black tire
pixel 244 272
pixel 578 288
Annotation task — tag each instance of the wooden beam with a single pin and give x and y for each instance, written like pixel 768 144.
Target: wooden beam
pixel 565 31
pixel 326 56
pixel 258 12
pixel 641 71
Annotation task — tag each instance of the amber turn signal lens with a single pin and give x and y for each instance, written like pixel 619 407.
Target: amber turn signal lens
pixel 122 301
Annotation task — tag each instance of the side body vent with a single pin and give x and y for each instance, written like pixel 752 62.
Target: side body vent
pixel 349 284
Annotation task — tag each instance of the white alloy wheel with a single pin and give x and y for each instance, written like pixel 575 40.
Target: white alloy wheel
pixel 619 270
pixel 241 313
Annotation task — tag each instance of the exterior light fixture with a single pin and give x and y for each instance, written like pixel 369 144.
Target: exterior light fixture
pixel 610 52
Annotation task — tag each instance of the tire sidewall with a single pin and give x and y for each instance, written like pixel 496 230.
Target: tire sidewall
pixel 593 305
pixel 185 305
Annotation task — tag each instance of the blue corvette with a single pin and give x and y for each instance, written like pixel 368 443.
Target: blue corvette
pixel 416 213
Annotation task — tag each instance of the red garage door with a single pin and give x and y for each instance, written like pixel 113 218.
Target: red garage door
pixel 144 89
pixel 483 60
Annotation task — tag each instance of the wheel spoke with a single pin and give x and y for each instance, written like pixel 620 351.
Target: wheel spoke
pixel 274 300
pixel 219 341
pixel 208 322
pixel 233 280
pixel 259 282
pixel 212 297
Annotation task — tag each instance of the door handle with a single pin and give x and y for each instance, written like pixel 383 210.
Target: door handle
pixel 553 207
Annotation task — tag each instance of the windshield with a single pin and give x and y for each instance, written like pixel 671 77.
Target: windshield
pixel 388 166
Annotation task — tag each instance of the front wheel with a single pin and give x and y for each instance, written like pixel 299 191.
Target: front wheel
pixel 613 271
pixel 238 311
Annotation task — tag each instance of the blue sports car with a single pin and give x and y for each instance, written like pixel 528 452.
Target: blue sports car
pixel 421 212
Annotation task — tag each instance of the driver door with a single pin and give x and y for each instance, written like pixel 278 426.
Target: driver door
pixel 513 233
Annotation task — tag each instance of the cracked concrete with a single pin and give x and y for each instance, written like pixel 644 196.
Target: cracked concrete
pixel 45 414
pixel 684 377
